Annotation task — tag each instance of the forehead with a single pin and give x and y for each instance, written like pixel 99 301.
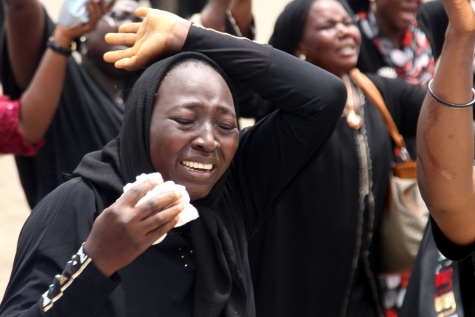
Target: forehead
pixel 197 83
pixel 323 10
pixel 125 6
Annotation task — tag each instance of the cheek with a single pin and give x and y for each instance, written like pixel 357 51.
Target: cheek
pixel 229 147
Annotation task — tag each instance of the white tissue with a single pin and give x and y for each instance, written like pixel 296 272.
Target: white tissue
pixel 188 214
pixel 74 13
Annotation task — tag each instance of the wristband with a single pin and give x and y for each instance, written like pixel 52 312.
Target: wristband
pixel 59 49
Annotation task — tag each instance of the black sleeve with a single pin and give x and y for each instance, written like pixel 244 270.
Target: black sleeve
pixel 54 232
pixel 275 152
pixel 449 249
pixel 403 100
pixel 433 20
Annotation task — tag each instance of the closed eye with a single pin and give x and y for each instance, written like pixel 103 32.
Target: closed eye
pixel 184 121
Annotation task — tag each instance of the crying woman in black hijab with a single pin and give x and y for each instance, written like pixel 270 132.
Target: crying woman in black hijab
pixel 180 121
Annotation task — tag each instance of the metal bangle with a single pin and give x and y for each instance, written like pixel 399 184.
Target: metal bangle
pixel 448 104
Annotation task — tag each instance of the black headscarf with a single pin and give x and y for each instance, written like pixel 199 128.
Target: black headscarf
pixel 289 26
pixel 219 290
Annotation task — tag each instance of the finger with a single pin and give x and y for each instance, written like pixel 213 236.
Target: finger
pixel 95 13
pixel 129 64
pixel 111 4
pixel 120 38
pixel 130 27
pixel 134 194
pixel 157 204
pixel 156 234
pixel 102 5
pixel 162 218
pixel 116 56
pixel 142 11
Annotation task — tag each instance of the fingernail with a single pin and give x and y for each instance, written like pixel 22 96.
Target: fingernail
pixel 178 194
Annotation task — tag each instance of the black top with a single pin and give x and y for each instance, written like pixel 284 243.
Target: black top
pixel 301 257
pixel 466 266
pixel 86 119
pixel 271 156
pixel 432 20
pixel 439 286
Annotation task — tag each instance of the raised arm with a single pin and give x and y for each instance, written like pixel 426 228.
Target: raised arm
pixel 278 149
pixel 215 13
pixel 445 134
pixel 41 99
pixel 25 37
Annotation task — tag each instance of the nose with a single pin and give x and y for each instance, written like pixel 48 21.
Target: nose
pixel 206 139
pixel 343 29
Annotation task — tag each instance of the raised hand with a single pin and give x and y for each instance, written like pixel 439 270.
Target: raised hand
pixel 96 9
pixel 160 34
pixel 461 15
pixel 122 232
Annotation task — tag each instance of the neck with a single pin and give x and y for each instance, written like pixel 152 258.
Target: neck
pixel 394 34
pixel 114 86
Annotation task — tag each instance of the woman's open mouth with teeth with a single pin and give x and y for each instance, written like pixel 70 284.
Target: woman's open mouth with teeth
pixel 198 167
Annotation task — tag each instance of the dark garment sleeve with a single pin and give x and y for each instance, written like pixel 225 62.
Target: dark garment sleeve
pixel 449 249
pixel 403 100
pixel 274 153
pixel 54 232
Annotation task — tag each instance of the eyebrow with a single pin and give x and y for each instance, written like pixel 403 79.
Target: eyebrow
pixel 193 105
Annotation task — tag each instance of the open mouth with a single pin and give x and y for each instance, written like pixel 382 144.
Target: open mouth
pixel 197 167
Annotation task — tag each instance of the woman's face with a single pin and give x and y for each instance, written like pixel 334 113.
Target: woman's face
pixel 122 12
pixel 193 132
pixel 330 40
pixel 397 15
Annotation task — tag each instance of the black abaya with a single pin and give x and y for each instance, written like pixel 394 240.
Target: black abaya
pixel 271 157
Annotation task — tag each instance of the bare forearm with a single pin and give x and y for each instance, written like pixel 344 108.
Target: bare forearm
pixel 213 14
pixel 445 142
pixel 41 99
pixel 24 30
pixel 242 13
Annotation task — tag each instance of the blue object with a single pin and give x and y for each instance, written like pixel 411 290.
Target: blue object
pixel 74 13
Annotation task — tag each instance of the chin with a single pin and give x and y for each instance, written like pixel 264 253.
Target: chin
pixel 196 193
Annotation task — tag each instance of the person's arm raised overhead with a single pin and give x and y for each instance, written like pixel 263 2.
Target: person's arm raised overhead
pixel 238 12
pixel 24 34
pixel 445 133
pixel 41 99
pixel 309 101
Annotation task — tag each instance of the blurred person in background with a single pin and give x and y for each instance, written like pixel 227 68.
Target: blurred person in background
pixel 89 96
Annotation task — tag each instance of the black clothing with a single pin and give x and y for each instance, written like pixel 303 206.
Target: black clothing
pixel 432 20
pixel 310 102
pixel 436 287
pixel 302 256
pixel 86 119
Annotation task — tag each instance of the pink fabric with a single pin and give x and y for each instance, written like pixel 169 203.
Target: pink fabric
pixel 11 139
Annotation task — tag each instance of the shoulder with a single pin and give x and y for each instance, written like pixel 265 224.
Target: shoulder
pixel 66 206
